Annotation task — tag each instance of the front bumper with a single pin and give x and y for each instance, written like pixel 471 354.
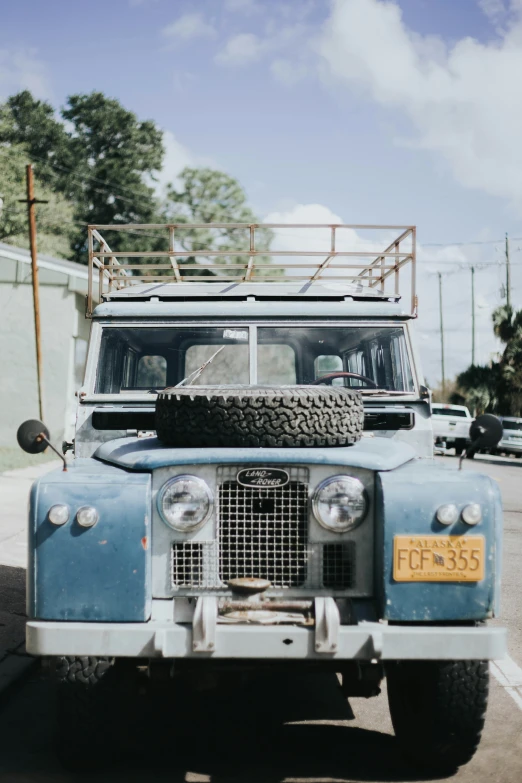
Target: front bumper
pixel 513 446
pixel 205 637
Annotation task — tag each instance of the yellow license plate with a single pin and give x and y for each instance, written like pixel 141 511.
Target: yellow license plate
pixel 438 558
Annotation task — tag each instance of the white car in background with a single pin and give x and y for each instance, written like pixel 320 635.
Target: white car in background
pixel 511 442
pixel 451 425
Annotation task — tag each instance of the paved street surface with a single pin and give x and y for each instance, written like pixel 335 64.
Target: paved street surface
pixel 289 728
pixel 14 494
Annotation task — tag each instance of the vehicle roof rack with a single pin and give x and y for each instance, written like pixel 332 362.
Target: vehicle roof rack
pixel 349 257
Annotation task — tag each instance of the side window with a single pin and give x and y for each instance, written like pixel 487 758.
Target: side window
pixel 152 372
pixel 327 363
pixel 355 362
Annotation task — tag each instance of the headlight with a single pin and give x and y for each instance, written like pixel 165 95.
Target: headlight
pixel 87 516
pixel 447 514
pixel 185 503
pixel 472 514
pixel 58 514
pixel 340 503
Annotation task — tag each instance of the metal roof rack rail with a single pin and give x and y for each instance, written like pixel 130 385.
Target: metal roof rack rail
pixel 369 266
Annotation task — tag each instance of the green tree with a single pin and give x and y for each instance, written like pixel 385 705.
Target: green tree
pixel 103 159
pixel 205 195
pixel 497 388
pixel 54 220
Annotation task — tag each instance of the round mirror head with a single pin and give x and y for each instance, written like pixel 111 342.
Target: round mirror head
pixel 27 436
pixel 486 430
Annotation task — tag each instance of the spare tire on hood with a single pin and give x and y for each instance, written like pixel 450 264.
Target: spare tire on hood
pixel 236 416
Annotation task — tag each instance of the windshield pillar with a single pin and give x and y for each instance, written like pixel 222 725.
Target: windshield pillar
pixel 252 355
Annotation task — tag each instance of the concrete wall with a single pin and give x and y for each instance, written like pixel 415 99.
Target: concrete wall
pixel 63 330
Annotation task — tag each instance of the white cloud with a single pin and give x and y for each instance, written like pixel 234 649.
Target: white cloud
pixel 288 72
pixel 452 261
pixel 242 6
pixel 188 27
pixel 495 10
pixel 461 100
pixel 242 48
pixel 21 69
pixel 177 157
pixel 245 48
pixel 312 238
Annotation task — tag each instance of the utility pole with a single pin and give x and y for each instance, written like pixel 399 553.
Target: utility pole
pixel 31 201
pixel 508 274
pixel 441 337
pixel 473 315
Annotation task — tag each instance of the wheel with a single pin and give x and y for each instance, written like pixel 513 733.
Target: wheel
pixel 89 714
pixel 460 445
pixel 438 709
pixel 285 416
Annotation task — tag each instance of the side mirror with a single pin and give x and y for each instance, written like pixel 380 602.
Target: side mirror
pixel 485 432
pixel 425 393
pixel 34 437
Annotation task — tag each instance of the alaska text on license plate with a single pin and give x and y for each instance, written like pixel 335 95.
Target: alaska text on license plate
pixel 438 558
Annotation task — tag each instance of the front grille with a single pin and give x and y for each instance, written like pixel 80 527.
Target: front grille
pixel 192 564
pixel 264 533
pixel 339 565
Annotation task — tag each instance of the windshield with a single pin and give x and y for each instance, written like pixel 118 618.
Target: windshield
pixel 453 412
pixel 512 425
pixel 138 360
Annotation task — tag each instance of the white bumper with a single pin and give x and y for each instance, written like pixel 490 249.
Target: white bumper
pixel 365 641
pixel 506 444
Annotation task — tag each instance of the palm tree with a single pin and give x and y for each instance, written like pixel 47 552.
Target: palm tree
pixel 497 388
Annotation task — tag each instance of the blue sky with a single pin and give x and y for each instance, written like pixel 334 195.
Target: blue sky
pixel 405 111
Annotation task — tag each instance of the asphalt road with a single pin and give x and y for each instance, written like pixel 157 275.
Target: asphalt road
pixel 291 728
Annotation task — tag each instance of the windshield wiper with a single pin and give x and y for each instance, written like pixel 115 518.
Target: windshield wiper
pixel 399 392
pixel 195 375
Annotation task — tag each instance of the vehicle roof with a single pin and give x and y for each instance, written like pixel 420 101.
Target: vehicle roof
pixel 510 418
pixel 241 289
pixel 251 310
pixel 449 405
pixel 246 299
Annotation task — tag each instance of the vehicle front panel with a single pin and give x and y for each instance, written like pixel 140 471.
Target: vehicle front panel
pixel 267 533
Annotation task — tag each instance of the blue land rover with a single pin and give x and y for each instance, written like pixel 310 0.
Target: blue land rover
pixel 253 480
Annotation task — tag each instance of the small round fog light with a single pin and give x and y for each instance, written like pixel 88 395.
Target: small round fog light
pixel 447 514
pixel 87 516
pixel 59 514
pixel 472 514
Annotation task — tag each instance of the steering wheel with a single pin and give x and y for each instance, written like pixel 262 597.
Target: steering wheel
pixel 327 379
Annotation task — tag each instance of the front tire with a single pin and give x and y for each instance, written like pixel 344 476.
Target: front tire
pixel 438 709
pixel 88 719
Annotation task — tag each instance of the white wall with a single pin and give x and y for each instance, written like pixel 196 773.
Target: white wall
pixel 61 322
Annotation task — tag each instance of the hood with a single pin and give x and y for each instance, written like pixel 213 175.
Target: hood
pixel 148 454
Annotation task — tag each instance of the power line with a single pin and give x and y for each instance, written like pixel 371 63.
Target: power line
pixel 61 167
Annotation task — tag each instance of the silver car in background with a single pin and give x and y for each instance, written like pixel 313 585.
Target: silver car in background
pixel 511 442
